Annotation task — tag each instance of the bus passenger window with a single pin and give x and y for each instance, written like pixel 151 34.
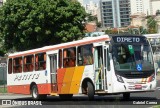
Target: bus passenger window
pixel 40 61
pixel 10 66
pixel 69 57
pixel 17 65
pixel 60 58
pixel 28 63
pixel 85 55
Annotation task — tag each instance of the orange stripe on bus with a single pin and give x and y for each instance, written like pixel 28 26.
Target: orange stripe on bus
pixel 76 80
pixel 67 80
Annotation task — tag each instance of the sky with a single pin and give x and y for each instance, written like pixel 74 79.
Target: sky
pixel 87 1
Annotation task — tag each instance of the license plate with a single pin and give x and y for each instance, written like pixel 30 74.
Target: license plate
pixel 138 86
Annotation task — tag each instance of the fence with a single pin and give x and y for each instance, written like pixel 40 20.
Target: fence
pixel 3 75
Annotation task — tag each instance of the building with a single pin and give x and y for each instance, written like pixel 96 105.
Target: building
pixel 94 34
pixel 90 27
pixel 139 20
pixel 157 18
pixel 148 7
pixel 155 5
pixel 1 2
pixel 115 13
pixel 91 8
pixel 81 2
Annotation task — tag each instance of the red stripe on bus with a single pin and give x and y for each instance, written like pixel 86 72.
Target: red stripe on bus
pixel 60 77
pixel 25 89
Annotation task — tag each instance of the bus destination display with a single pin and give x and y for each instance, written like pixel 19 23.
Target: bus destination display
pixel 128 39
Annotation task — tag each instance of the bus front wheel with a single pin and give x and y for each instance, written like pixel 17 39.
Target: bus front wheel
pixel 90 91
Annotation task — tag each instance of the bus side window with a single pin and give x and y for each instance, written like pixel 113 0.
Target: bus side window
pixel 108 61
pixel 40 61
pixel 44 63
pixel 28 63
pixel 69 57
pixel 10 66
pixel 60 58
pixel 24 65
pixel 85 55
pixel 36 62
pixel 65 59
pixel 17 66
pixel 72 57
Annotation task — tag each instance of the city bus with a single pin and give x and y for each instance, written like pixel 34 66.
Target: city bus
pixel 103 65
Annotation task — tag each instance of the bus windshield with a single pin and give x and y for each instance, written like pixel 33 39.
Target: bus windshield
pixel 132 57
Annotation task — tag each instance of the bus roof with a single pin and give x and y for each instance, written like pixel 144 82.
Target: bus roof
pixel 152 35
pixel 86 40
pixel 112 35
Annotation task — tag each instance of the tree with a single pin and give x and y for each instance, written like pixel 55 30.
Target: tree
pixel 28 24
pixel 91 18
pixel 151 23
pixel 108 31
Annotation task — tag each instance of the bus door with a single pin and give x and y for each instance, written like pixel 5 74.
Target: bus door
pixel 100 68
pixel 107 68
pixel 53 68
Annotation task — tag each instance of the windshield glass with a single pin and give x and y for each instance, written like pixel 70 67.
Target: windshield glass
pixel 132 57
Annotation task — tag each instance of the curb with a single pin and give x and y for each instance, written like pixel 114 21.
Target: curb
pixel 6 93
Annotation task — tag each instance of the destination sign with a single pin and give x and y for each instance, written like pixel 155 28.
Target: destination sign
pixel 128 39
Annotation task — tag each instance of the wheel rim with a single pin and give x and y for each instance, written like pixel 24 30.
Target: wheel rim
pixel 35 93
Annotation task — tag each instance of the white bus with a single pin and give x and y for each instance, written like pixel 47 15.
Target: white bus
pixel 120 64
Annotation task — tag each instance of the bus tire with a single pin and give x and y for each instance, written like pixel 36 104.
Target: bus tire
pixel 126 96
pixel 35 94
pixel 90 91
pixel 34 91
pixel 66 96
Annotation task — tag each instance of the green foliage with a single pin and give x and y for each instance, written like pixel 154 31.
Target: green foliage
pixel 151 23
pixel 91 18
pixel 2 53
pixel 28 24
pixel 98 24
pixel 108 31
pixel 111 31
pixel 3 89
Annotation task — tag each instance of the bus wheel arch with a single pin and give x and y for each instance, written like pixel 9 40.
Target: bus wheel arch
pixel 88 88
pixel 34 92
pixel 31 85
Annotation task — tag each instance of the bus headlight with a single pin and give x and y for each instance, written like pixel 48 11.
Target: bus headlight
pixel 152 77
pixel 119 79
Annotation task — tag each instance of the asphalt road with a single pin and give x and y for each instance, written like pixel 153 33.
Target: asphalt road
pixel 138 100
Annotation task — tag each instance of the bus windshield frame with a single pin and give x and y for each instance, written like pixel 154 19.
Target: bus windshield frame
pixel 132 55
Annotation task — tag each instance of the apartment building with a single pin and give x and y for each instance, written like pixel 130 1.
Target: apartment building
pixel 1 2
pixel 115 13
pixel 91 8
pixel 148 7
pixel 81 2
